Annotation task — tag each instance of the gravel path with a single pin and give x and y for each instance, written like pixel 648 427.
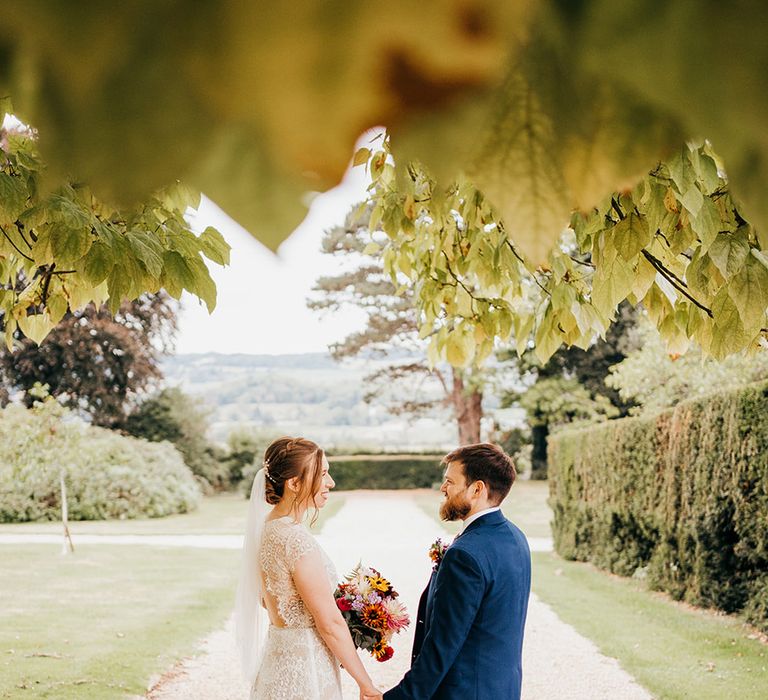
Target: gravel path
pixel 393 535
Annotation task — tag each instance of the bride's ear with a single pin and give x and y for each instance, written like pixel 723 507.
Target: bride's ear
pixel 293 484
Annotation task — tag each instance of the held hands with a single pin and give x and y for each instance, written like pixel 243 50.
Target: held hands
pixel 370 693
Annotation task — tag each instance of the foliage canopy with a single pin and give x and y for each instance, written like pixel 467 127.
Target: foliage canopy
pixel 63 249
pixel 547 105
pixel 677 242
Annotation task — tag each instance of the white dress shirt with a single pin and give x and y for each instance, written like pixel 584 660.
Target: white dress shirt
pixel 479 514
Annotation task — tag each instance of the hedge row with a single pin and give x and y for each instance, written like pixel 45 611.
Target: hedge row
pixel 106 475
pixel 681 497
pixel 386 471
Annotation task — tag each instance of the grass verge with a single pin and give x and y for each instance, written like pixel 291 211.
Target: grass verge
pixel 222 514
pixel 98 624
pixel 673 650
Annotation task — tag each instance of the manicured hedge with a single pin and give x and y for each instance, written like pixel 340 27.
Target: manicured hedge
pixel 107 475
pixel 386 471
pixel 681 498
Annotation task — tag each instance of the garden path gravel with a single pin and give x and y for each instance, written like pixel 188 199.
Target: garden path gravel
pixel 393 534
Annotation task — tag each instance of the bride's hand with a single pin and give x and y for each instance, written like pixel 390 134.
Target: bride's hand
pixel 370 693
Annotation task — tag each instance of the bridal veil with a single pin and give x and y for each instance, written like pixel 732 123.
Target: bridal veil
pixel 250 617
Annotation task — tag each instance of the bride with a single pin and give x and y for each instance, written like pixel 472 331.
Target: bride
pixel 289 580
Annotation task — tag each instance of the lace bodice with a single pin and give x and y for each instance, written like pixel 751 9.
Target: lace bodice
pixel 285 542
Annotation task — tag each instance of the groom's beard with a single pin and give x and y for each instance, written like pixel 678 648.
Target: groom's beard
pixel 456 508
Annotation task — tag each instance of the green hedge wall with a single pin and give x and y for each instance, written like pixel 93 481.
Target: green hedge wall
pixel 386 471
pixel 681 497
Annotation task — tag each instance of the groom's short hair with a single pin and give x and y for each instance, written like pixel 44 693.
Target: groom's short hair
pixel 487 463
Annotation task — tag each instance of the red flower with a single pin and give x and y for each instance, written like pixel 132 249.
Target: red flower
pixel 343 603
pixel 386 654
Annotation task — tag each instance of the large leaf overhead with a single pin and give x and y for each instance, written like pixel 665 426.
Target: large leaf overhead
pixel 548 105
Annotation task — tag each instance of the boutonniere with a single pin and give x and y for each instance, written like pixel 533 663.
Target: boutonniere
pixel 436 552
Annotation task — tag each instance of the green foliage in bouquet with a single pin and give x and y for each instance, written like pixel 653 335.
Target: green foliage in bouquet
pixel 680 497
pixel 107 475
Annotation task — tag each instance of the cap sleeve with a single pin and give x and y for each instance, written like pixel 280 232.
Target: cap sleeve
pixel 297 544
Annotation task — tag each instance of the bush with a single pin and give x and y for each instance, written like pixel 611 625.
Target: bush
pixel 177 417
pixel 107 475
pixel 682 496
pixel 386 471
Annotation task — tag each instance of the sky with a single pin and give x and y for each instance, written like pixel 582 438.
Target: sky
pixel 261 307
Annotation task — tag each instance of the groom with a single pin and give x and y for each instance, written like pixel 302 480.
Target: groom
pixel 469 631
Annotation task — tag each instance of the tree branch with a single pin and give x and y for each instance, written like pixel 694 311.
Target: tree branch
pixel 522 261
pixel 10 240
pixel 675 281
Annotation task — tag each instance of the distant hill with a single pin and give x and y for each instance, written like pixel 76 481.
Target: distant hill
pixel 309 394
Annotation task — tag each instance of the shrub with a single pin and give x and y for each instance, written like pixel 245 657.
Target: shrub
pixel 386 471
pixel 682 495
pixel 107 475
pixel 177 417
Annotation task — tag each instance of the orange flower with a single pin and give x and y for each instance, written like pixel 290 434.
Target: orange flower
pixel 375 617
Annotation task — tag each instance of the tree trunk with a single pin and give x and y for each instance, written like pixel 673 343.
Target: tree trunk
pixel 539 451
pixel 468 409
pixel 66 546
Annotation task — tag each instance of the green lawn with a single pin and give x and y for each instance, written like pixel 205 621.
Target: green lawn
pixel 673 650
pixel 223 514
pixel 98 624
pixel 526 506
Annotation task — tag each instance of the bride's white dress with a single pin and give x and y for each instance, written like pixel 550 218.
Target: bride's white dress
pixel 297 664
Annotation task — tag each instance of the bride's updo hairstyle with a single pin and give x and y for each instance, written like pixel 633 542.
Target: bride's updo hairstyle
pixel 287 458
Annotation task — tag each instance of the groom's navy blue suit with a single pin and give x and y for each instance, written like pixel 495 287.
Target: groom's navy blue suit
pixel 469 631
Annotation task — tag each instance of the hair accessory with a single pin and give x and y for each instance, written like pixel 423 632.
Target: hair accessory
pixel 266 471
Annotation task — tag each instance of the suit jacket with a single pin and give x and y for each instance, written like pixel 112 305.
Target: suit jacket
pixel 469 630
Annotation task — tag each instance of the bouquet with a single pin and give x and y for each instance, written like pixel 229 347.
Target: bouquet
pixel 371 610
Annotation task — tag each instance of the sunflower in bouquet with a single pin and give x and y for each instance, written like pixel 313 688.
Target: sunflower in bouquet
pixel 371 610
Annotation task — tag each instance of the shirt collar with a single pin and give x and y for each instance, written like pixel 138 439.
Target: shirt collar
pixel 479 514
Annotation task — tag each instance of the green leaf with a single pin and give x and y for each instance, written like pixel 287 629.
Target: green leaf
pixel 517 169
pixel 371 248
pixel 98 263
pixel 361 156
pixel 728 334
pixel 706 223
pixel 176 275
pixel 35 327
pixel 202 284
pixel 611 284
pixel 459 349
pixel 69 244
pixel 146 248
pixel 729 251
pixel 214 246
pixel 645 275
pixel 631 235
pixel 13 198
pixel 749 291
pixel 681 170
pixel 692 199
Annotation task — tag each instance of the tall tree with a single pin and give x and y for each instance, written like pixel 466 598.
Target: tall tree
pixel 410 387
pixel 93 361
